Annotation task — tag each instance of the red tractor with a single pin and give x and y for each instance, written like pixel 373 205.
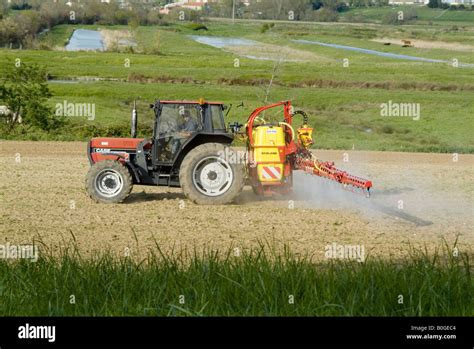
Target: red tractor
pixel 190 148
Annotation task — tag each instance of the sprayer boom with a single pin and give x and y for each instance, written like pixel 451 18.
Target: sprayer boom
pixel 306 162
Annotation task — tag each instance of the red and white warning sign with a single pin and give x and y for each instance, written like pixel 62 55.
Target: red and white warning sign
pixel 271 172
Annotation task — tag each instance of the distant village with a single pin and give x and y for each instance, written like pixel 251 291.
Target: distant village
pixel 200 5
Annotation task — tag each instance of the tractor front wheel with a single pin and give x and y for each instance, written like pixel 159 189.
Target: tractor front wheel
pixel 212 174
pixel 109 181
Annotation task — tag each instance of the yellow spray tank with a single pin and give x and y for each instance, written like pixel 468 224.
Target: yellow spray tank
pixel 268 152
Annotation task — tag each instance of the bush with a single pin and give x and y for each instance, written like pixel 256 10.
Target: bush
pixel 153 46
pixel 196 26
pixel 20 29
pixel 387 129
pixel 20 6
pixel 325 15
pixel 444 6
pixel 265 27
pixel 341 7
pixel 24 90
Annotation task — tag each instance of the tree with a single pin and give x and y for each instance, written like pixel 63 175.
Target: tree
pixel 317 4
pixel 433 4
pixel 3 9
pixel 325 15
pixel 24 90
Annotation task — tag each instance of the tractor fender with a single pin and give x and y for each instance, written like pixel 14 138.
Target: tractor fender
pixel 133 170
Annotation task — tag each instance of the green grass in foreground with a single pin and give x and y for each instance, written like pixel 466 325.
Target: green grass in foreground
pixel 256 283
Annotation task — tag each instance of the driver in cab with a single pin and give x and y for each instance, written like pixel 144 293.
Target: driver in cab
pixel 188 126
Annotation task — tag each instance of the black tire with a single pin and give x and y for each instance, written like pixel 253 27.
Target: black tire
pixel 229 180
pixel 114 175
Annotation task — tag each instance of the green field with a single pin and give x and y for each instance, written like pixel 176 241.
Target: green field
pixel 255 283
pixel 424 14
pixel 343 102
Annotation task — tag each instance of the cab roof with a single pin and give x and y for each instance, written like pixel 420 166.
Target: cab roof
pixel 191 102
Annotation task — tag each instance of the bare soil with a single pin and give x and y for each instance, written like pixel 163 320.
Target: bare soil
pixel 452 46
pixel 418 200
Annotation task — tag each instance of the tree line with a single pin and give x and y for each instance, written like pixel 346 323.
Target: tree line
pixel 21 22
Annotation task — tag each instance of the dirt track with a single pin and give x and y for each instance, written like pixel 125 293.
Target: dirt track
pixel 43 198
pixel 452 46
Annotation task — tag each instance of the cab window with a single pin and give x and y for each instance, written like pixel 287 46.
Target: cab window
pixel 176 117
pixel 217 117
pixel 176 124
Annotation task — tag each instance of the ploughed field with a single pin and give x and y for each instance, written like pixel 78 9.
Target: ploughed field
pixel 418 200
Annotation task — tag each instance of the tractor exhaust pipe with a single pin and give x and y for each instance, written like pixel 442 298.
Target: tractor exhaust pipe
pixel 134 120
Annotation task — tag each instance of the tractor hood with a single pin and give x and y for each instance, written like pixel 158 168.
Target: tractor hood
pixel 114 143
pixel 121 149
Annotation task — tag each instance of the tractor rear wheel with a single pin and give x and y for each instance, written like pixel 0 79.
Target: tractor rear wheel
pixel 212 174
pixel 109 181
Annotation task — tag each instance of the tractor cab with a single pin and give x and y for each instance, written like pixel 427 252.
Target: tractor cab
pixel 181 123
